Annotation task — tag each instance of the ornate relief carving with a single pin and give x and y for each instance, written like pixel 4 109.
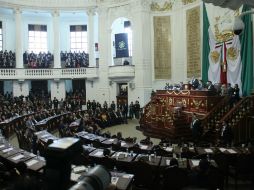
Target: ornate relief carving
pixel 185 2
pixel 224 34
pixel 167 6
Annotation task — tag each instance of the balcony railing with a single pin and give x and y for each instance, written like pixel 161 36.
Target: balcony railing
pixel 73 73
pixel 122 72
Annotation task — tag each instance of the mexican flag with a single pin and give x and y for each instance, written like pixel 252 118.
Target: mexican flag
pixel 229 61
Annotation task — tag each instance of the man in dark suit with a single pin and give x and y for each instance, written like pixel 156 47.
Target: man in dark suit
pixel 226 134
pixel 196 128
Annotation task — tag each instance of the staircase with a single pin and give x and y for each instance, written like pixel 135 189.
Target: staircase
pixel 240 119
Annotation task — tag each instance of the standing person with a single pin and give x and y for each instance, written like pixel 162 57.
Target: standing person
pixel 137 109
pixel 55 103
pixel 226 134
pixel 131 110
pixel 236 92
pixel 113 106
pixel 88 105
pixel 105 105
pixel 125 112
pixel 196 127
pixel 93 106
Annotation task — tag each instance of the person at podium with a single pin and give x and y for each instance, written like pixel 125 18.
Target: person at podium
pixel 194 83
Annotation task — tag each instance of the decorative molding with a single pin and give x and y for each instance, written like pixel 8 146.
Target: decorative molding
pixel 55 13
pixel 186 2
pixel 17 10
pixel 167 6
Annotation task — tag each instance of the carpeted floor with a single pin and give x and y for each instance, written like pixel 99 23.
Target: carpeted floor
pixel 129 130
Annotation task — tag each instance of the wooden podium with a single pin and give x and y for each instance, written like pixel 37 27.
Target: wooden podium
pixel 168 112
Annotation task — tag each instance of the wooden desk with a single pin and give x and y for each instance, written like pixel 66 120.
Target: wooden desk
pixel 194 163
pixel 88 149
pixel 20 156
pixel 124 156
pixel 44 136
pixel 98 153
pixel 165 161
pixel 122 181
pixel 9 151
pixel 152 160
pixel 36 163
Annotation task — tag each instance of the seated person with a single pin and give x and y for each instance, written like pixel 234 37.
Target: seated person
pixel 106 153
pixel 174 163
pixel 194 83
pixel 199 175
pixel 210 86
pixel 146 141
pixel 200 85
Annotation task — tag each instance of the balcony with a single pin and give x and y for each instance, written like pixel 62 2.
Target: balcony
pixel 121 73
pixel 74 73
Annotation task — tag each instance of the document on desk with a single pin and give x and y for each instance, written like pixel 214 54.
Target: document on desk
pixel 99 153
pixel 167 162
pixel 7 150
pixel 128 176
pixel 79 169
pixel 208 150
pixel 144 147
pixel 2 146
pixel 222 149
pixel 231 151
pixel 75 177
pixel 18 157
pixel 31 162
pixel 46 135
pixel 111 140
pixel 195 162
pixel 123 143
pixel 169 149
pixel 114 180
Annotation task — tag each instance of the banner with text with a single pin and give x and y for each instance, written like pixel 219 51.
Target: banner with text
pixel 121 44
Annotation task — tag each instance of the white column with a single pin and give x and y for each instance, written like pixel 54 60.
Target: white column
pixel 99 89
pixel 141 22
pixel 56 31
pixel 19 38
pixel 58 89
pixel 90 32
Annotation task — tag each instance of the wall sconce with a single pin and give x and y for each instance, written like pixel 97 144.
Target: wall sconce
pixel 20 82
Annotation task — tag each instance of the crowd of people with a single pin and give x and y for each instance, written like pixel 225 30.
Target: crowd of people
pixel 219 89
pixel 74 59
pixel 7 59
pixel 40 60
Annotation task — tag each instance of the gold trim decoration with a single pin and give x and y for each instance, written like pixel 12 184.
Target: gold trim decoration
pixel 214 55
pixel 167 6
pixel 185 2
pixel 222 36
pixel 232 53
pixel 197 103
pixel 178 93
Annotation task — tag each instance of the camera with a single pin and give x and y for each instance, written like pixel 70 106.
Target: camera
pixel 238 26
pixel 59 157
pixel 98 178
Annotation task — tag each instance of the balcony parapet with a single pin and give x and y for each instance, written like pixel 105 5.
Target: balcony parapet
pixel 121 72
pixel 70 73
